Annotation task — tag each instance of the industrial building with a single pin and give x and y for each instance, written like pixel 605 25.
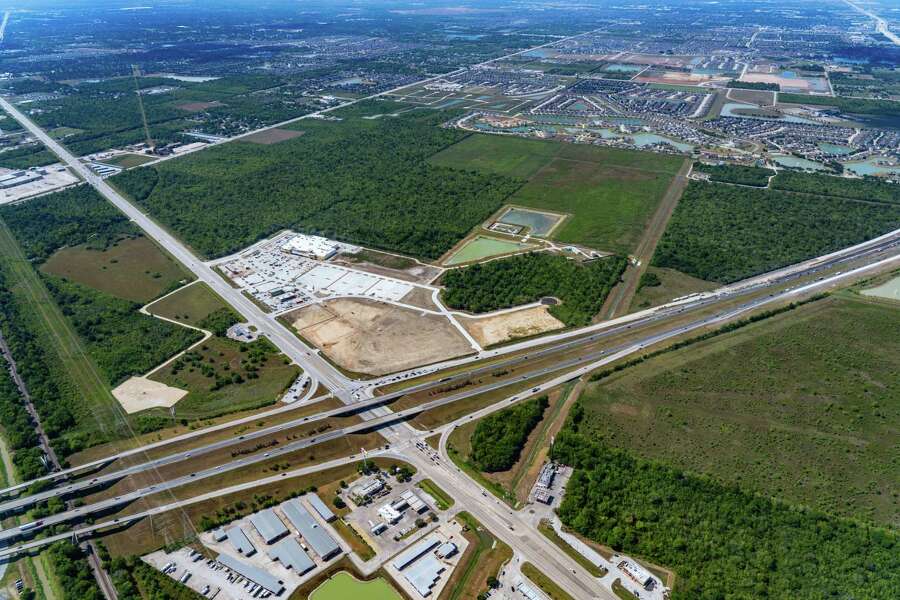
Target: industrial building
pixel 321 508
pixel 419 565
pixel 251 573
pixel 289 553
pixel 318 539
pixel 269 526
pixel 414 502
pixel 240 542
pixel 17 178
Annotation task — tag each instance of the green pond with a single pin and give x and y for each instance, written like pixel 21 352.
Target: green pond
pixel 344 586
pixel 540 223
pixel 484 247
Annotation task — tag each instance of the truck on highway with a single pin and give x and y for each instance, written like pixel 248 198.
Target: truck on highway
pixel 29 526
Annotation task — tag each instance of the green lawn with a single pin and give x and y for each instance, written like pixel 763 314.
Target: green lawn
pixel 343 585
pixel 189 305
pixel 802 406
pixel 610 193
pixel 442 498
pixel 133 268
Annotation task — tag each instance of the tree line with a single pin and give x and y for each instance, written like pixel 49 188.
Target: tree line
pixel 498 438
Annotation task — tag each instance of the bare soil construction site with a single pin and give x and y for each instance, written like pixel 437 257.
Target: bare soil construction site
pixel 377 338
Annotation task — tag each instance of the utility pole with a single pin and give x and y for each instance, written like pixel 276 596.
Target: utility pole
pixel 135 73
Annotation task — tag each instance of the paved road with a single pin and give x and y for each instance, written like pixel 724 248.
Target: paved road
pixel 286 341
pixel 584 363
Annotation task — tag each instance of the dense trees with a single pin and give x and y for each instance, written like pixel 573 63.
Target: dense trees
pixel 71 569
pixel 726 233
pixel 498 438
pixel 18 429
pixel 52 395
pixel 121 340
pixel 358 180
pixel 738 174
pixel 868 188
pixel 753 85
pixel 67 218
pixel 581 287
pixel 722 542
pixel 136 580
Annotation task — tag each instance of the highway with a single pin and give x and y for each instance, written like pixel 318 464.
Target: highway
pixel 588 361
pixel 509 526
pixel 585 364
pixel 881 25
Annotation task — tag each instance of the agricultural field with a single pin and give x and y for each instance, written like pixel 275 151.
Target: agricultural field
pixel 131 268
pixel 800 406
pixel 609 193
pixel 725 233
pixel 353 180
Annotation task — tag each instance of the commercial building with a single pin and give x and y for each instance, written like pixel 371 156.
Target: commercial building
pixel 313 533
pixel 311 246
pixel 252 573
pixel 446 550
pixel 424 574
pixel 415 503
pixel 365 489
pixel 321 508
pixel 636 572
pixel 269 526
pixel 289 553
pixel 389 514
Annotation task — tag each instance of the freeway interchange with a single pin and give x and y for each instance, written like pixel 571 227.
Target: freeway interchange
pixel 569 355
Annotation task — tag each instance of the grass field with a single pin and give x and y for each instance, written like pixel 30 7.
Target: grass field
pixel 547 531
pixel 610 193
pixel 673 284
pixel 547 585
pixel 98 412
pixel 484 557
pixel 126 161
pixel 133 268
pixel 222 358
pixel 441 498
pixel 189 305
pixel 801 406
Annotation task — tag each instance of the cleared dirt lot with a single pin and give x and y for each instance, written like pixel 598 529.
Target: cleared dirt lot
pixel 272 136
pixel 521 323
pixel 139 393
pixel 374 338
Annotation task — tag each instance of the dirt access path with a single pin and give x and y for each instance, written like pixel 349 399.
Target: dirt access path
pixel 619 301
